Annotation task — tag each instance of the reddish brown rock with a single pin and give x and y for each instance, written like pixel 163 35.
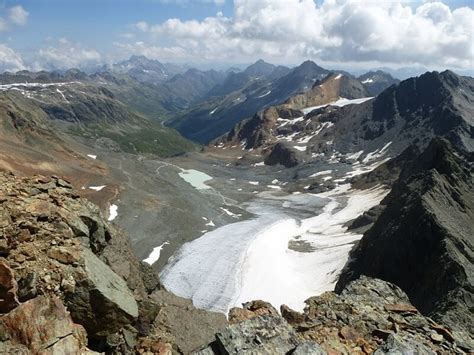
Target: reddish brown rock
pixel 65 255
pixel 400 308
pixel 8 289
pixel 349 333
pixel 291 316
pixel 43 326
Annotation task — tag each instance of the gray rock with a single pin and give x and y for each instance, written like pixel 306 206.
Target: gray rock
pixel 283 154
pixel 260 335
pixel 27 287
pixel 394 345
pixel 309 348
pixel 102 302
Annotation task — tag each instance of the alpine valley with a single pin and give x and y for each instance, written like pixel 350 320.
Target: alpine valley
pixel 156 208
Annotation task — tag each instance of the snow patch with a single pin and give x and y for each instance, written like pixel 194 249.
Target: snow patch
pixel 155 254
pixel 112 212
pixel 340 103
pixel 301 149
pixel 196 178
pixel 266 94
pixel 97 188
pixel 324 172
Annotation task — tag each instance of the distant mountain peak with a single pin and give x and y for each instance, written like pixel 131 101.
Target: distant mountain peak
pixel 259 68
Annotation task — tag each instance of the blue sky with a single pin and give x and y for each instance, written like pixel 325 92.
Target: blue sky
pixel 61 33
pixel 99 22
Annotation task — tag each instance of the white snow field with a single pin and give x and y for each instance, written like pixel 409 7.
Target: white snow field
pixel 251 259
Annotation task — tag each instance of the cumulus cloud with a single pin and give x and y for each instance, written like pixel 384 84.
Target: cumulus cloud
pixel 10 60
pixel 336 31
pixel 18 15
pixel 66 54
pixel 13 16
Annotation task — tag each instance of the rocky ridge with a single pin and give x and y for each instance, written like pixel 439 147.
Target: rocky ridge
pixel 423 239
pixel 75 275
pixel 370 316
pixel 320 128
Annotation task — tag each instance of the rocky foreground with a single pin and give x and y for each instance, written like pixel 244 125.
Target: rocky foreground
pixel 70 284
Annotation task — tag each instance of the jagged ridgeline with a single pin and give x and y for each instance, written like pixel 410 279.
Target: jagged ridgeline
pixel 336 119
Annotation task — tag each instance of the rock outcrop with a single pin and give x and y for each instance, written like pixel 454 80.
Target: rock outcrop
pixel 423 241
pixel 369 316
pixel 63 265
pixel 284 154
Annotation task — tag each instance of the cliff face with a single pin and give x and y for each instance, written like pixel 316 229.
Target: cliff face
pixel 69 280
pixel 423 241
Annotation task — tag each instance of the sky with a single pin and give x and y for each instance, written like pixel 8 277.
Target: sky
pixel 60 34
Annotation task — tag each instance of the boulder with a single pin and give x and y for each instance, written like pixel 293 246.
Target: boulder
pixel 180 323
pixel 101 302
pixel 41 326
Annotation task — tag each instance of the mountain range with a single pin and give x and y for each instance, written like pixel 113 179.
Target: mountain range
pixel 132 196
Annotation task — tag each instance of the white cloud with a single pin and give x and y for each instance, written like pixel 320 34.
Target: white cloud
pixel 3 25
pixel 18 15
pixel 336 31
pixel 142 26
pixel 65 54
pixel 13 16
pixel 10 60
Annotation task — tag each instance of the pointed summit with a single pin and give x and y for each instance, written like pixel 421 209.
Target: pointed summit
pixel 259 68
